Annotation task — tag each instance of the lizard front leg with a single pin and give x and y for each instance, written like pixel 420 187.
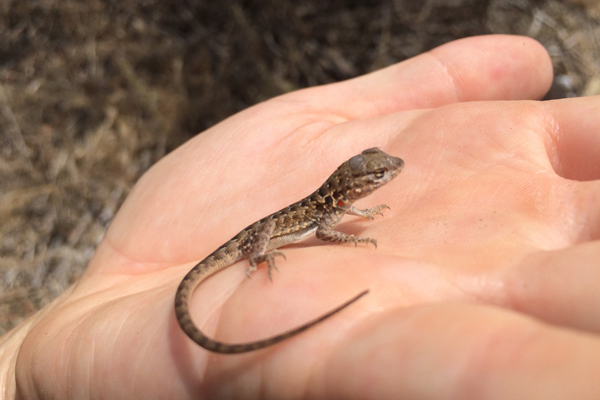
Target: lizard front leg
pixel 367 213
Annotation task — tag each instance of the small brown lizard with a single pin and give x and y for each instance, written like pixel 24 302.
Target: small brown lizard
pixel 318 213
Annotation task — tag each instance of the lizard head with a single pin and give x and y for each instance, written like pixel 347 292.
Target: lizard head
pixel 358 177
pixel 367 171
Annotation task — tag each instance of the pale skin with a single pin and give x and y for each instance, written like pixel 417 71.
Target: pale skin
pixel 483 285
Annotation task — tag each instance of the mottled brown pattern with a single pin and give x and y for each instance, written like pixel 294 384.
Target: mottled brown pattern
pixel 318 213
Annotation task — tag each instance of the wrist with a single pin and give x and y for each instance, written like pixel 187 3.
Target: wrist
pixel 10 345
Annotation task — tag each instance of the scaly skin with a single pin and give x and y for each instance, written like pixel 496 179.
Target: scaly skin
pixel 318 213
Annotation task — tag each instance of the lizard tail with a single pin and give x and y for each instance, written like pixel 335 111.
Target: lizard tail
pixel 183 317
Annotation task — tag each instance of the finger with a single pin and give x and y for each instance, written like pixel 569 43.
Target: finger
pixel 574 130
pixel 494 67
pixel 462 351
pixel 560 287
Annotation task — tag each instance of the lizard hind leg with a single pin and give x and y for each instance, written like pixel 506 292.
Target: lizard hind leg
pixel 259 247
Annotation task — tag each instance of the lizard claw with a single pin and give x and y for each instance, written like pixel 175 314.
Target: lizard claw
pixel 269 258
pixel 377 210
pixel 252 268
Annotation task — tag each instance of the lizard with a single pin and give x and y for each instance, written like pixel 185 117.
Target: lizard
pixel 318 213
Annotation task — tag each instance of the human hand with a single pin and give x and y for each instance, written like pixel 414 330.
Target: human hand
pixel 482 285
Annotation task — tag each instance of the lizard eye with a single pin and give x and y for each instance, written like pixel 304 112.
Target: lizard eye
pixel 380 173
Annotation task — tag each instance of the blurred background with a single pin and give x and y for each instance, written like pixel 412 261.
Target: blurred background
pixel 93 92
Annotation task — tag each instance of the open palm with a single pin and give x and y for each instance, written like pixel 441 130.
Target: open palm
pixel 483 284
